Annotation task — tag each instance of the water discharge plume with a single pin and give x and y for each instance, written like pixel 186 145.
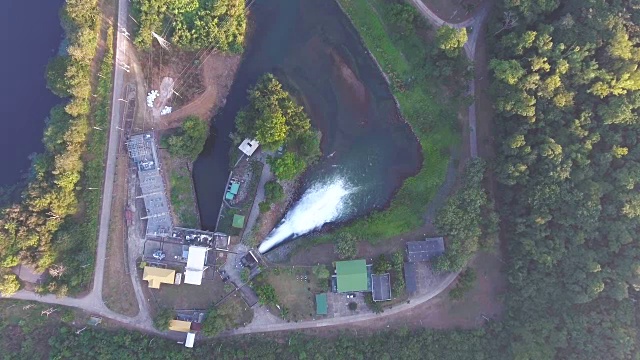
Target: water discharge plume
pixel 320 204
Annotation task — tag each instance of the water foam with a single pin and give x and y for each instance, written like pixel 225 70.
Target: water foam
pixel 320 204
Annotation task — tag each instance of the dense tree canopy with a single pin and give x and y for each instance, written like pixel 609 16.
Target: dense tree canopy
pixel 460 220
pixel 189 140
pixel 272 117
pixel 30 231
pixel 567 95
pixel 192 24
pixel 451 40
pixel 288 166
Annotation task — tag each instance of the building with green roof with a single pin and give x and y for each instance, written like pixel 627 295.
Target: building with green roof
pixel 352 276
pixel 321 304
pixel 238 221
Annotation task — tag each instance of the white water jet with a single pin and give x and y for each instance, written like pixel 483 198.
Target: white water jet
pixel 320 204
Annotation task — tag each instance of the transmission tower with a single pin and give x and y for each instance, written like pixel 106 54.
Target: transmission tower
pixel 164 43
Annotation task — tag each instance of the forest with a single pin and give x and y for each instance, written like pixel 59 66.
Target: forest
pixel 40 230
pixel 566 82
pixel 192 24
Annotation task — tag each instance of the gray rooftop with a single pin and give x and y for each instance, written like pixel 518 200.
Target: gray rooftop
pixel 410 277
pixel 381 287
pixel 425 250
pixel 142 150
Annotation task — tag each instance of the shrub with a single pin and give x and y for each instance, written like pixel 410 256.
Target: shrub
pixel 345 246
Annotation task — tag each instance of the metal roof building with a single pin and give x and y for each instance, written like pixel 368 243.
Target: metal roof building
pixel 321 304
pixel 180 325
pixel 381 287
pixel 142 150
pixel 410 277
pixel 195 265
pixel 156 276
pixel 425 250
pixel 249 146
pixel 352 276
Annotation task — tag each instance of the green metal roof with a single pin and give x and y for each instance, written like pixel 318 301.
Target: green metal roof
pixel 352 275
pixel 238 221
pixel 234 188
pixel 321 304
pixel 229 196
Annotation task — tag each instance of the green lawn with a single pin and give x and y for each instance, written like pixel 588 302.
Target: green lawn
pixel 182 197
pixel 295 294
pixel 432 117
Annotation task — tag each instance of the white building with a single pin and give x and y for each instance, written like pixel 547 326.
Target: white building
pixel 195 265
pixel 249 146
pixel 191 337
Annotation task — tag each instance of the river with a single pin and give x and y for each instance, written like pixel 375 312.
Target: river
pixel 31 34
pixel 313 49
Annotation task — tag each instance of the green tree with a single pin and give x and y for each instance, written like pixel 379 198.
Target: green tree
pixel 346 246
pixel 9 285
pixel 267 294
pixel 189 140
pixel 56 75
pixel 287 167
pixel 162 319
pixel 213 323
pixel 451 40
pixel 273 192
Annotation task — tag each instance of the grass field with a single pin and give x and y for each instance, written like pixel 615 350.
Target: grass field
pixel 432 117
pixel 182 196
pixel 295 293
pixel 187 296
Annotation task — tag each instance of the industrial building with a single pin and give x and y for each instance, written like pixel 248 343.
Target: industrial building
pixel 143 151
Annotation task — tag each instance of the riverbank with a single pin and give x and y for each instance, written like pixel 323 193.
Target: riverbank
pixel 432 116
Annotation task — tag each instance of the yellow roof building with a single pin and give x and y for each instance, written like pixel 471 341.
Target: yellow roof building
pixel 156 276
pixel 179 325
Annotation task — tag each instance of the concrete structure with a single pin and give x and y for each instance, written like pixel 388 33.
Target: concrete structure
pixel 156 276
pixel 179 325
pixel 195 265
pixel 381 287
pixel 425 250
pixel 142 150
pixel 321 304
pixel 249 146
pixel 352 276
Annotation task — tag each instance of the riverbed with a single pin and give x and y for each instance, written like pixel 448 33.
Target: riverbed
pixel 25 100
pixel 313 49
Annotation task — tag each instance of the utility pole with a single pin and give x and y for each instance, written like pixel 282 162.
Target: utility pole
pixel 164 43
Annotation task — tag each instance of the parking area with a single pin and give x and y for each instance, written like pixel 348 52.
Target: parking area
pixel 338 304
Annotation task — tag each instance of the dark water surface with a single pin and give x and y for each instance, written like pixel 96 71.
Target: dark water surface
pixel 315 52
pixel 31 34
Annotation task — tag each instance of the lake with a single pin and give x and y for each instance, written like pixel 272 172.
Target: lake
pixel 31 34
pixel 313 49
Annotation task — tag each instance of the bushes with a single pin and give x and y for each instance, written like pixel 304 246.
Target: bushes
pixel 287 167
pixel 346 246
pixel 466 280
pixel 273 192
pixel 9 285
pixel 197 24
pixel 266 294
pixel 162 319
pixel 461 219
